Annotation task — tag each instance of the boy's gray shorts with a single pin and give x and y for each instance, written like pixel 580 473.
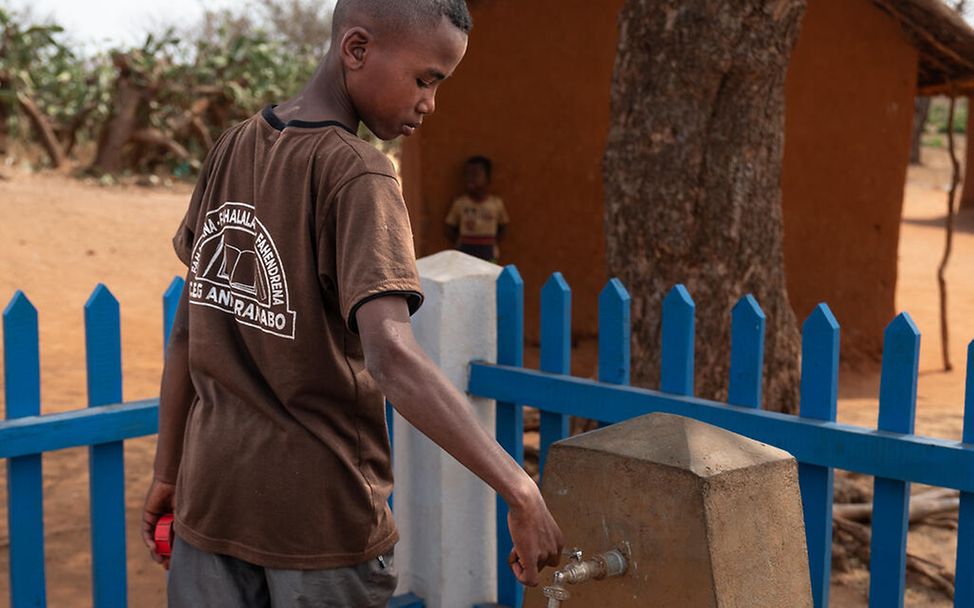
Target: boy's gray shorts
pixel 204 580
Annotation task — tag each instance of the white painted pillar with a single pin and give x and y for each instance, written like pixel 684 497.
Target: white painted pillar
pixel 446 516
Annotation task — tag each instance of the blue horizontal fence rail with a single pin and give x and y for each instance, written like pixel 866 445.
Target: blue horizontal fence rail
pixel 891 453
pixel 25 435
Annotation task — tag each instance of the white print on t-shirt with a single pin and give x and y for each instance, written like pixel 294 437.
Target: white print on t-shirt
pixel 236 269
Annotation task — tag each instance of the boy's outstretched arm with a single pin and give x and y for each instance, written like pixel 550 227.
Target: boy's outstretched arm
pixel 426 398
pixel 175 397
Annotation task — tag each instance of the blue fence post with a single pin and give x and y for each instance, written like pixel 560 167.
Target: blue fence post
pixel 392 446
pixel 170 301
pixel 964 576
pixel 819 393
pixel 25 514
pixel 556 353
pixel 615 329
pixel 891 498
pixel 614 333
pixel 676 365
pixel 747 353
pixel 106 467
pixel 510 418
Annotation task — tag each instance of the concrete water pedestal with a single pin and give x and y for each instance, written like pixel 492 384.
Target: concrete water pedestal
pixel 707 518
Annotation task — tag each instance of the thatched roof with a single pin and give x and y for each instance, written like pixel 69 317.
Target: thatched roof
pixel 945 42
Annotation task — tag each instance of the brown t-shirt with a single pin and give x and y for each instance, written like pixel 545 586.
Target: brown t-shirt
pixel 285 461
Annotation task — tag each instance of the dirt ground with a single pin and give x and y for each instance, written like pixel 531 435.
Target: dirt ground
pixel 60 237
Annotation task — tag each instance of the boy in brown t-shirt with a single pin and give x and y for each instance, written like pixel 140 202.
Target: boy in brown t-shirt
pixel 477 220
pixel 294 326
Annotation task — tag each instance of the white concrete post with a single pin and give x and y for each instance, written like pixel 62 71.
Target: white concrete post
pixel 446 516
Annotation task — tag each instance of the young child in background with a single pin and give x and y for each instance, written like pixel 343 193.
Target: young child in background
pixel 477 220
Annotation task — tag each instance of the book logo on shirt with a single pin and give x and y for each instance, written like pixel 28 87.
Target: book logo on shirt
pixel 236 268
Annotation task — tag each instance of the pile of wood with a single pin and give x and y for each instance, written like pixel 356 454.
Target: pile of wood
pixel 852 514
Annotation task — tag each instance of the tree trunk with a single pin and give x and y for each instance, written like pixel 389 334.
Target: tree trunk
pixel 692 175
pixel 921 107
pixel 123 121
pixel 967 198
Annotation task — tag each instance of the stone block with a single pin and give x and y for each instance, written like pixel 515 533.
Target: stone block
pixel 710 518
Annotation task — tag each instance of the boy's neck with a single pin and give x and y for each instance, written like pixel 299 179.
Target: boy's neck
pixel 324 97
pixel 479 196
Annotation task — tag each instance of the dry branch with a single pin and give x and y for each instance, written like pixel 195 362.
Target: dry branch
pixel 922 506
pixel 948 245
pixel 191 122
pixel 155 137
pixel 941 578
pixel 860 535
pixel 203 132
pixel 42 126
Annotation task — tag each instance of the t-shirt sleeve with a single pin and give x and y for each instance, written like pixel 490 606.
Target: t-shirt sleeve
pixel 185 235
pixel 453 217
pixel 502 217
pixel 182 241
pixel 374 253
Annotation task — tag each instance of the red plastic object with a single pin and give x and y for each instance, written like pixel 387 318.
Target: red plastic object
pixel 163 535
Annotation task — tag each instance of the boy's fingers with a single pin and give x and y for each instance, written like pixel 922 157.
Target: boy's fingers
pixel 531 574
pixel 516 566
pixel 554 557
pixel 526 570
pixel 149 521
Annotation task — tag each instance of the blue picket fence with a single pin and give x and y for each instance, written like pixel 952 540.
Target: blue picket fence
pixel 103 426
pixel 891 453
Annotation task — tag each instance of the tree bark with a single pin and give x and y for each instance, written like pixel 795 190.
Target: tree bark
pixel 967 198
pixel 692 177
pixel 123 121
pixel 921 107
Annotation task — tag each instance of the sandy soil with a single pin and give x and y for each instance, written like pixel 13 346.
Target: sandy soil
pixel 60 237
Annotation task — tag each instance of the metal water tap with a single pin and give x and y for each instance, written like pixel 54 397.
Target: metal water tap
pixel 602 565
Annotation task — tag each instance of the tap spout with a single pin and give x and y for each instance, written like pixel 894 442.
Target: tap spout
pixel 601 565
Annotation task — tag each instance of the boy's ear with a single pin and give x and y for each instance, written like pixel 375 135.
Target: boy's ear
pixel 354 47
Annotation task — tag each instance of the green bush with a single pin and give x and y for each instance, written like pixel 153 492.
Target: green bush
pixel 228 61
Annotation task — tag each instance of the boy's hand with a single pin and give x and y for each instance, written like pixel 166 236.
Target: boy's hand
pixel 158 502
pixel 537 539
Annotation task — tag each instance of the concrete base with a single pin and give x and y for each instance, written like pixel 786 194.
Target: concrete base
pixel 711 518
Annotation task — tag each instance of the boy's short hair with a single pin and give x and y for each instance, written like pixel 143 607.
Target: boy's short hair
pixel 484 162
pixel 402 15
